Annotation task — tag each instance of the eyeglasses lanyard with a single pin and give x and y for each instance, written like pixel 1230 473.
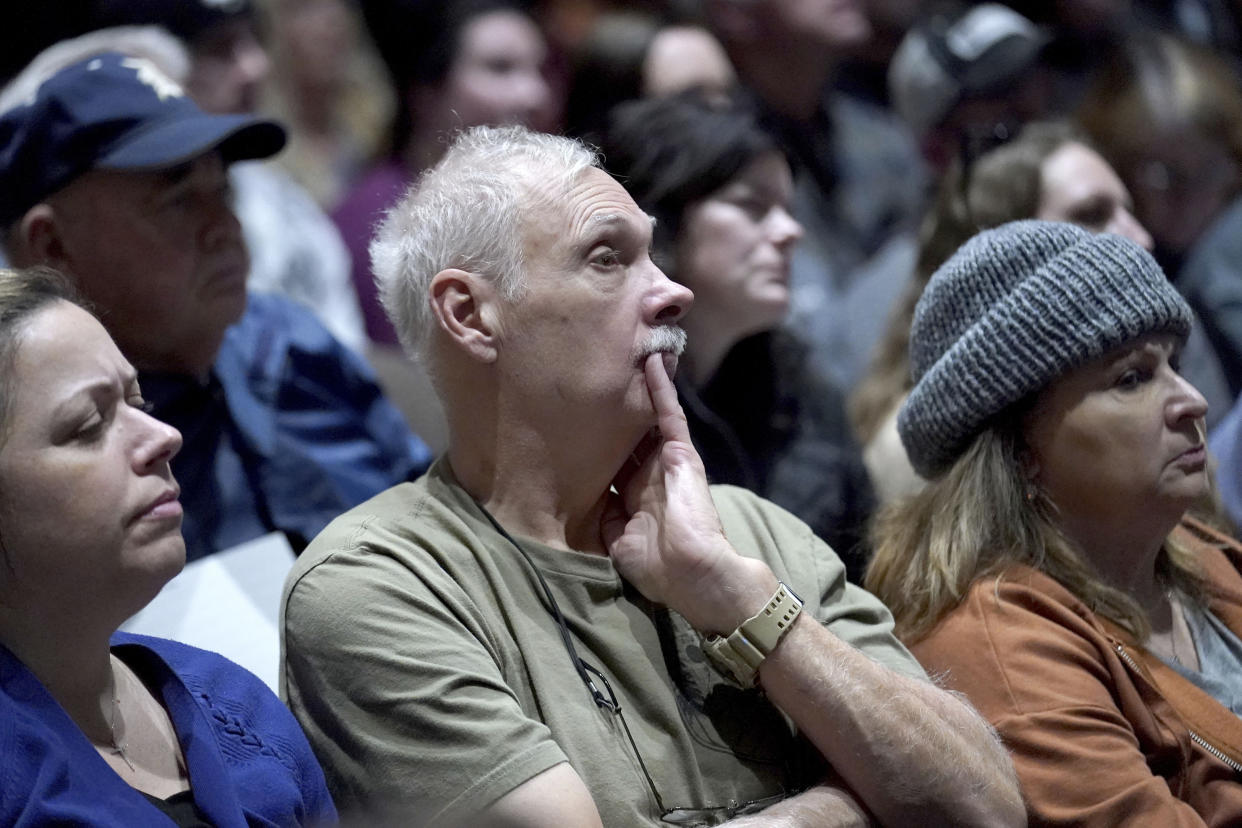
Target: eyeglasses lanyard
pixel 585 671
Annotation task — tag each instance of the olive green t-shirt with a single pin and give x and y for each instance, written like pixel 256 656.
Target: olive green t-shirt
pixel 431 678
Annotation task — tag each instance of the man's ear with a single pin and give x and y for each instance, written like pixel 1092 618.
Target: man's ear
pixel 39 239
pixel 463 304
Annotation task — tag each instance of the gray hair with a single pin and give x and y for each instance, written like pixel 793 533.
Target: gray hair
pixel 466 213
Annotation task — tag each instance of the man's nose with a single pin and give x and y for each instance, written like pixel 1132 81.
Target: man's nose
pixel 669 301
pixel 220 224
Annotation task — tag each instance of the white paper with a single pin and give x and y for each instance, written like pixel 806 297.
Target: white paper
pixel 229 603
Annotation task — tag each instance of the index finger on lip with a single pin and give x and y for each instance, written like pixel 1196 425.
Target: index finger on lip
pixel 672 420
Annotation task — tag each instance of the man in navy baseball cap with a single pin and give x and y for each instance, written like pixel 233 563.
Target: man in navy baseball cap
pixel 111 174
pixel 110 160
pixel 295 249
pixel 144 121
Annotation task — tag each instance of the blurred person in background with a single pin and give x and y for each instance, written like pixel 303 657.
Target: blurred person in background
pixel 629 55
pixel 228 64
pixel 1168 116
pixel 968 73
pixel 720 189
pixel 327 87
pixel 1082 35
pixel 452 64
pixel 859 183
pixel 1049 172
pixel 863 73
pixel 1087 33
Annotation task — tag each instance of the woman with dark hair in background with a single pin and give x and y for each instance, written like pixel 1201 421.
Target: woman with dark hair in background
pixel 99 727
pixel 719 190
pixel 454 64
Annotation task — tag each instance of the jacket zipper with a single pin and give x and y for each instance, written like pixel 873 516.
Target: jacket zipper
pixel 1194 737
pixel 1198 740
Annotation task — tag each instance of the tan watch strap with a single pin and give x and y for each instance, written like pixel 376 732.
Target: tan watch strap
pixel 739 654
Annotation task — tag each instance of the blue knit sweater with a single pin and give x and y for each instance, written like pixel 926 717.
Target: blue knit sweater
pixel 248 762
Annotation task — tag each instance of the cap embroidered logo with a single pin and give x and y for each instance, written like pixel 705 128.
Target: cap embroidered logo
pixel 147 72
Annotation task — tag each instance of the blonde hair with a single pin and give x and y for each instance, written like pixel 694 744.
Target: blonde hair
pixel 976 520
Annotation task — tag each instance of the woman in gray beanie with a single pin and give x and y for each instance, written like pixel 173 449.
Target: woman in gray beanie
pixel 1049 570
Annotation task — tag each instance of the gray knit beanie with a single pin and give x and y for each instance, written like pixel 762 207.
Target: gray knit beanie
pixel 1013 309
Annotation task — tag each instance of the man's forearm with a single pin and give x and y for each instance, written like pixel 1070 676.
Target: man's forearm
pixel 914 753
pixel 823 806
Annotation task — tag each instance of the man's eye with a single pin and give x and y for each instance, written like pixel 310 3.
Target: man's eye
pixel 608 258
pixel 136 401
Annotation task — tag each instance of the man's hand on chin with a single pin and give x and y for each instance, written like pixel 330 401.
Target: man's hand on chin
pixel 663 532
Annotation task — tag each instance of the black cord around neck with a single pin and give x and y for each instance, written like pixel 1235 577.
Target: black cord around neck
pixel 585 671
pixel 605 701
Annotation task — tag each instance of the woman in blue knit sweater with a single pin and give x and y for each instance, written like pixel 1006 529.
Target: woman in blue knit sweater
pixel 97 727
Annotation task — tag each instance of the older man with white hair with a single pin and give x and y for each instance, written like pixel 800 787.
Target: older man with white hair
pixel 561 623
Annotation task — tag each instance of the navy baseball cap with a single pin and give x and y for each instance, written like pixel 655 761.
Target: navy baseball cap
pixel 113 112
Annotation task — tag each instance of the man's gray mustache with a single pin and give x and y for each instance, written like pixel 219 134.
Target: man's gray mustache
pixel 667 338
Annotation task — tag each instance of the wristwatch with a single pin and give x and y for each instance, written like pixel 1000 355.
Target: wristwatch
pixel 738 655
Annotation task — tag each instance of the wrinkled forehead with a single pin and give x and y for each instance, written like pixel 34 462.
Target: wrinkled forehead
pixel 561 210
